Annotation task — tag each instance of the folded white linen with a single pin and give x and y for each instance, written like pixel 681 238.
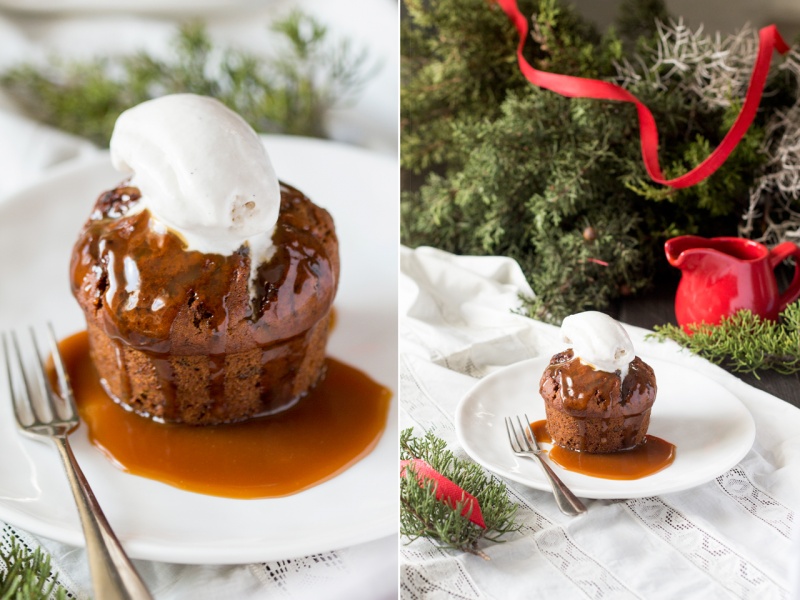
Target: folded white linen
pixel 459 311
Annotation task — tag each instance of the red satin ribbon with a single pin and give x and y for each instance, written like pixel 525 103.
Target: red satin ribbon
pixel 446 491
pixel 578 87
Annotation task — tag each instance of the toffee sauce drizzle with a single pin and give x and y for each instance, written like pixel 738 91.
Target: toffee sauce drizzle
pixel 339 422
pixel 587 391
pixel 153 295
pixel 608 402
pixel 117 244
pixel 651 456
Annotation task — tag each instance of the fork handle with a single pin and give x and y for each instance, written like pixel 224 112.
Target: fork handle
pixel 565 499
pixel 113 575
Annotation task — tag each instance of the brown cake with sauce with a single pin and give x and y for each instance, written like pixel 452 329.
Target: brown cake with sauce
pixel 184 336
pixel 594 411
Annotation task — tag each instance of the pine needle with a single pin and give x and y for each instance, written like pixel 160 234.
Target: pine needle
pixel 289 92
pixel 744 343
pixel 422 515
pixel 25 574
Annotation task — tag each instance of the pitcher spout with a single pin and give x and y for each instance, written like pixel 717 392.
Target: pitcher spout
pixel 677 249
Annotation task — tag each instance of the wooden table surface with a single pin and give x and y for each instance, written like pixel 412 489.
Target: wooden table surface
pixel 657 308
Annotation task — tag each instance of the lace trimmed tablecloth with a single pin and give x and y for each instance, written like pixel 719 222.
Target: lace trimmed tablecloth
pixel 736 536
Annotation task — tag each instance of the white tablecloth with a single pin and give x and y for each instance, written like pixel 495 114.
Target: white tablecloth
pixel 35 30
pixel 737 536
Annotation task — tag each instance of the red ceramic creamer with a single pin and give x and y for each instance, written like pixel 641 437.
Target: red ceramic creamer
pixel 720 276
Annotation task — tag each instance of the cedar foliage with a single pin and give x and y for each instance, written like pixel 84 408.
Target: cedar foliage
pixel 494 165
pixel 423 515
pixel 25 574
pixel 744 342
pixel 288 92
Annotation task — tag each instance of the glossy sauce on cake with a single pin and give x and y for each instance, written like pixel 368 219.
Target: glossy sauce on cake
pixel 179 335
pixel 605 411
pixel 335 425
pixel 148 280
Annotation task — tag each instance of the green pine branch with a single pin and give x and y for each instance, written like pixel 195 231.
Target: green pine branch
pixel 744 342
pixel 289 92
pixel 25 575
pixel 422 515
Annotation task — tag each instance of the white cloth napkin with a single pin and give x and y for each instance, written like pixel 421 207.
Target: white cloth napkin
pixel 30 151
pixel 736 536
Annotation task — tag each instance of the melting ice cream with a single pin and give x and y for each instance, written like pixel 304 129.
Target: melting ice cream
pixel 599 341
pixel 202 172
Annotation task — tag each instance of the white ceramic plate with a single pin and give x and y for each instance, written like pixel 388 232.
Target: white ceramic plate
pixel 37 230
pixel 711 429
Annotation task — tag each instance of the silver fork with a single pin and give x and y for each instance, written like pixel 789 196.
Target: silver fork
pixel 523 443
pixel 55 417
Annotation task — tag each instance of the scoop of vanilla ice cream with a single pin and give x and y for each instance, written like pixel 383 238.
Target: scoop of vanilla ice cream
pixel 599 341
pixel 202 172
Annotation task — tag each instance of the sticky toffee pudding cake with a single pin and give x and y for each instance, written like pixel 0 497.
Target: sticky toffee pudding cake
pixel 207 286
pixel 594 411
pixel 597 394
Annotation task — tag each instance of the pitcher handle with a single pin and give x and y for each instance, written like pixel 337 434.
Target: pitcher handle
pixel 776 256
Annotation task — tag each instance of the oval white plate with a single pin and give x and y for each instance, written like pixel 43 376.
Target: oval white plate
pixel 711 429
pixel 37 230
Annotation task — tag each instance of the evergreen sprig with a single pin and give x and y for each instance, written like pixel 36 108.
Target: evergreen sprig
pixel 422 515
pixel 494 165
pixel 288 92
pixel 744 342
pixel 25 574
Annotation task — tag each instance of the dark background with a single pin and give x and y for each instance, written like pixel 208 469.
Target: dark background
pixel 726 16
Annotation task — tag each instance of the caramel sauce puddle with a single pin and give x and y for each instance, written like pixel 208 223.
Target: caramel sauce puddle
pixel 651 456
pixel 338 423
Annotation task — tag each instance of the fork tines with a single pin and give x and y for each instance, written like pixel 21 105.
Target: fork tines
pixel 525 430
pixel 34 400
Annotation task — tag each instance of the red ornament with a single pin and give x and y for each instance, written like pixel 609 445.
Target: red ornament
pixel 446 491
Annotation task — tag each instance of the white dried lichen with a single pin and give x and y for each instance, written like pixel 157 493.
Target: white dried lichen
pixel 716 70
